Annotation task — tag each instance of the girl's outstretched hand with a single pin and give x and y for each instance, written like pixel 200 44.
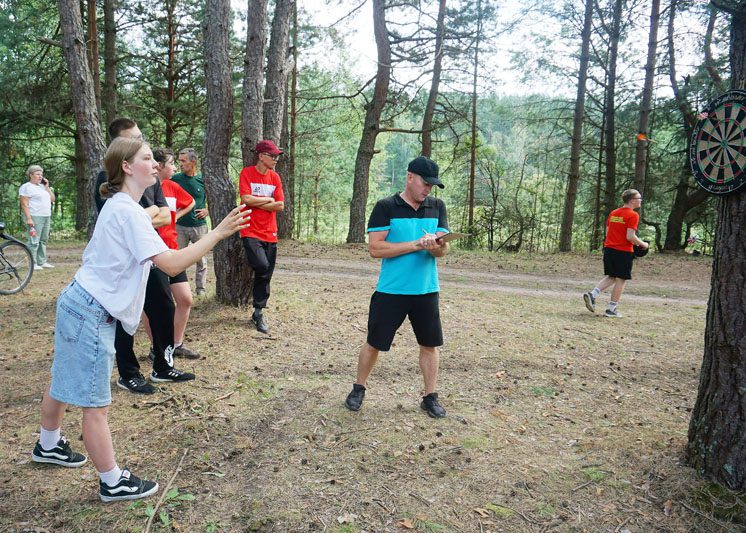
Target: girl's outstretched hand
pixel 236 220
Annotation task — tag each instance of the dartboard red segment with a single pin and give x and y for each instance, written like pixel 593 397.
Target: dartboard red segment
pixel 717 149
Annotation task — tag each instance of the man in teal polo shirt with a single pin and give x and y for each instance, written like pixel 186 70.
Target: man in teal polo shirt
pixel 404 230
pixel 193 226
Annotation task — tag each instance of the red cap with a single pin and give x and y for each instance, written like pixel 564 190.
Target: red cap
pixel 267 147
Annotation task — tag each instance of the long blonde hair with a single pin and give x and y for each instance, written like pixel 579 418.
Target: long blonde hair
pixel 120 150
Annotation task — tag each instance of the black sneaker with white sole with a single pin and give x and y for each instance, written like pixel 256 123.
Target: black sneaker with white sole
pixel 59 455
pixel 431 406
pixel 171 375
pixel 129 487
pixel 136 384
pixel 590 302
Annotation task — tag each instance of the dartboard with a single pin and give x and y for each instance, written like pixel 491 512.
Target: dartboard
pixel 717 150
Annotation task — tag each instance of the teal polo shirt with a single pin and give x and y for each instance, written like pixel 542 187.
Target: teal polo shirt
pixel 195 186
pixel 415 272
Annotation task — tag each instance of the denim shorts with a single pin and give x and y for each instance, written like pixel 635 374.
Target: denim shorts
pixel 83 350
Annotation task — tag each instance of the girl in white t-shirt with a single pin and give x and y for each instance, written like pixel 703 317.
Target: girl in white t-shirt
pixel 110 286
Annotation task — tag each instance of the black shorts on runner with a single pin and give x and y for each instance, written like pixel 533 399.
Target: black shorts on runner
pixel 618 264
pixel 181 277
pixel 388 311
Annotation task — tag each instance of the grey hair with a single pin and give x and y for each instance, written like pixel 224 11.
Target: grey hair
pixel 191 152
pixel 33 168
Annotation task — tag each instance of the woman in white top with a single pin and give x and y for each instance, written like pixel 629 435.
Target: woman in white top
pixel 36 204
pixel 110 286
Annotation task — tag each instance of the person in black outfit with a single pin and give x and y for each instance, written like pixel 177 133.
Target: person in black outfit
pixel 159 304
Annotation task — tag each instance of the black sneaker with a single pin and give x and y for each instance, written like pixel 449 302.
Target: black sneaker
pixel 59 455
pixel 136 384
pixel 261 325
pixel 183 351
pixel 431 405
pixel 590 302
pixel 129 487
pixel 354 400
pixel 171 375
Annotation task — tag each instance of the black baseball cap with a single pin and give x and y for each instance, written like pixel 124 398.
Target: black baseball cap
pixel 427 169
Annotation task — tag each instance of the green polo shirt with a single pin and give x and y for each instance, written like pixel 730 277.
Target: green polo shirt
pixel 195 186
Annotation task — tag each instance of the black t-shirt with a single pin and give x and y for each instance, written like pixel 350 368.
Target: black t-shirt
pixel 153 195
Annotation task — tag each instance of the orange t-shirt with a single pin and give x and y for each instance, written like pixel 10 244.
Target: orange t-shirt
pixel 263 223
pixel 616 228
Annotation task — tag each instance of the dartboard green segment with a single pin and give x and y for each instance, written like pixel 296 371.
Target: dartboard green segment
pixel 717 149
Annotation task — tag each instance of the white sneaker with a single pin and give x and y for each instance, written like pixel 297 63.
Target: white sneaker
pixel 47 265
pixel 37 267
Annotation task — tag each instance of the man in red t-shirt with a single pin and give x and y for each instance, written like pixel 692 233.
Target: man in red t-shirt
pixel 261 190
pixel 621 236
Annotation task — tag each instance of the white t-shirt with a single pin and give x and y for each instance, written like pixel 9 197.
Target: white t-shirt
pixel 39 201
pixel 116 262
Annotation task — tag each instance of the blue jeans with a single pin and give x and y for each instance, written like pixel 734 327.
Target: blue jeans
pixel 83 350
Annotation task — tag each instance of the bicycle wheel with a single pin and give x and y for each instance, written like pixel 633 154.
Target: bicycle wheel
pixel 16 267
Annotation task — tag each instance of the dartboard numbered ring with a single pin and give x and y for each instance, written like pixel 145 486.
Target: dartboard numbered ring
pixel 717 149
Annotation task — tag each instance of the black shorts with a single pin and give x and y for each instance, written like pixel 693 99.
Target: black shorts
pixel 618 264
pixel 181 277
pixel 387 313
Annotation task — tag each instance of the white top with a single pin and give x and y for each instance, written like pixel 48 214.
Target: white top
pixel 116 262
pixel 39 201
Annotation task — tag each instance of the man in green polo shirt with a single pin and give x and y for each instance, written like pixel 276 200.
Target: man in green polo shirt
pixel 193 226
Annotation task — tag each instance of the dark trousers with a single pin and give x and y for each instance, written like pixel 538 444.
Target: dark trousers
pixel 159 308
pixel 261 256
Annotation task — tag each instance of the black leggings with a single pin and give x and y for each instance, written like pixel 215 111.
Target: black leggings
pixel 159 308
pixel 261 256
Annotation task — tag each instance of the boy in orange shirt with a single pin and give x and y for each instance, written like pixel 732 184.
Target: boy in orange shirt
pixel 621 237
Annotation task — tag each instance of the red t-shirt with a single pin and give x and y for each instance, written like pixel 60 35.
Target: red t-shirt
pixel 263 223
pixel 616 228
pixel 176 198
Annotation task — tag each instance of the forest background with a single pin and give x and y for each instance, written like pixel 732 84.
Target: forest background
pixel 500 120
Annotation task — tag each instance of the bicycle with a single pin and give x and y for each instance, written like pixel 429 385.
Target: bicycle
pixel 16 264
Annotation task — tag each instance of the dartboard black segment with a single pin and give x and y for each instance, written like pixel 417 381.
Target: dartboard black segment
pixel 717 149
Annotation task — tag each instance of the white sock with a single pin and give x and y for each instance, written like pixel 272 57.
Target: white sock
pixel 111 477
pixel 595 292
pixel 612 306
pixel 49 439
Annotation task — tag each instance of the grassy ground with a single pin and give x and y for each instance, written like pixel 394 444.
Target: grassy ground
pixel 557 419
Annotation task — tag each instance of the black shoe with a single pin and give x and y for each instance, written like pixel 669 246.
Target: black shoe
pixel 59 455
pixel 136 384
pixel 183 351
pixel 129 487
pixel 261 325
pixel 354 400
pixel 590 302
pixel 431 405
pixel 171 375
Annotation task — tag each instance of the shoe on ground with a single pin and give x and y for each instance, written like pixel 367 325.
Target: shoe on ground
pixel 260 323
pixel 47 265
pixel 355 399
pixel 431 406
pixel 612 314
pixel 59 455
pixel 129 487
pixel 590 302
pixel 171 375
pixel 38 267
pixel 136 385
pixel 183 351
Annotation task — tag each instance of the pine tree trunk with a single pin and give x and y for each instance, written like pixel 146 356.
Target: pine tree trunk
pixel 93 59
pixel 717 431
pixel 278 68
pixel 427 118
pixel 109 97
pixel 473 147
pixel 641 148
pixel 610 196
pixel 373 110
pixel 83 96
pixel 573 177
pixel 253 80
pixel 82 203
pixel 169 111
pixel 285 217
pixel 232 273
